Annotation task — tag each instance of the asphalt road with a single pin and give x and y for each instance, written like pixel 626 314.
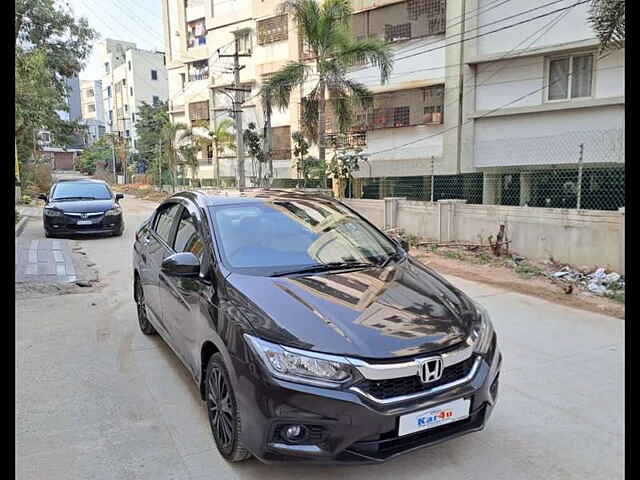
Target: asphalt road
pixel 95 399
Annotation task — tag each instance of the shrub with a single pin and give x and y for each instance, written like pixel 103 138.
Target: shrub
pixel 26 199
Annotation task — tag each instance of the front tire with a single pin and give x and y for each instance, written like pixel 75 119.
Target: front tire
pixel 222 409
pixel 143 319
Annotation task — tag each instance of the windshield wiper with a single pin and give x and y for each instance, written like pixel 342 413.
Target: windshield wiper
pixel 325 267
pixel 397 255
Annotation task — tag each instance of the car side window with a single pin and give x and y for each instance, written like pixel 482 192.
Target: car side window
pixel 165 220
pixel 187 237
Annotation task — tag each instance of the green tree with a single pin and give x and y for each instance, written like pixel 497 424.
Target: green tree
pixel 150 121
pixel 223 140
pixel 607 19
pixel 50 46
pixel 98 155
pixel 325 28
pixel 300 151
pixel 254 143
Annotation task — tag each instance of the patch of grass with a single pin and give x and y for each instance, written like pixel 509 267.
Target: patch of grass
pixel 482 258
pixel 616 295
pixel 453 255
pixel 525 270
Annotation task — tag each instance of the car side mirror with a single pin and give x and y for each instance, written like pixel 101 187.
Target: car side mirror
pixel 42 196
pixel 404 244
pixel 184 264
pixel 119 196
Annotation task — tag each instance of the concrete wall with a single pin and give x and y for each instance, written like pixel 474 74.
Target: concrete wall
pixel 580 238
pixel 571 27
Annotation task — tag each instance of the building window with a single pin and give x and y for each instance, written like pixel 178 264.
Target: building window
pixel 433 98
pixel 154 75
pixel 244 43
pixel 135 144
pixel 570 77
pixel 395 33
pixel 198 70
pixel 126 108
pixel 133 117
pixel 401 20
pixel 281 143
pixel 110 117
pixel 90 93
pixel 183 79
pixel 124 82
pixel 126 133
pixel 106 67
pixel 109 91
pixel 196 33
pixel 198 111
pixel 401 116
pixel 156 100
pixel 131 91
pixel 274 29
pixel 129 64
pixel 91 107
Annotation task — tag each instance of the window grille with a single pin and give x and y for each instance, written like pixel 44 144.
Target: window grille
pixel 272 30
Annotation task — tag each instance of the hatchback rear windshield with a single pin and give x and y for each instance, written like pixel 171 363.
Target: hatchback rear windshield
pixel 81 191
pixel 265 238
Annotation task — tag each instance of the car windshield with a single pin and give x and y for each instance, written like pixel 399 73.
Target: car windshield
pixel 284 236
pixel 81 191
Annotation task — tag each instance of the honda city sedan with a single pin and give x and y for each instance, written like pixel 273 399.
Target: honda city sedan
pixel 311 335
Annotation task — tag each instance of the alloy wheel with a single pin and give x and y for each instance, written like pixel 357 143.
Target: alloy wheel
pixel 221 413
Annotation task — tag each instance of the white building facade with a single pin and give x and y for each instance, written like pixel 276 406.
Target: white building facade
pixel 545 104
pixel 131 76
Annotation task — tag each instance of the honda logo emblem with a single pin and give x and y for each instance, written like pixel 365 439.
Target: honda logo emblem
pixel 429 369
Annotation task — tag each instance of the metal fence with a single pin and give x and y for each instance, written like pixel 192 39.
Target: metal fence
pixel 594 187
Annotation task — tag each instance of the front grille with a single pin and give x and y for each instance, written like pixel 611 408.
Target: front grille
pixel 394 387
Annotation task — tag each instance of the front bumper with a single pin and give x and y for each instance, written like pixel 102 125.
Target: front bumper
pixel 345 427
pixel 67 226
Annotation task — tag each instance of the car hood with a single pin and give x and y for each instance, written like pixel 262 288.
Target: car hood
pixel 402 310
pixel 82 206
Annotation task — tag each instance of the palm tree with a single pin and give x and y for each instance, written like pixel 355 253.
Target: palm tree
pixel 325 28
pixel 223 139
pixel 172 135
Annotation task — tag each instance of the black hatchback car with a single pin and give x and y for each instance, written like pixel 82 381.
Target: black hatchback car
pixel 83 206
pixel 311 334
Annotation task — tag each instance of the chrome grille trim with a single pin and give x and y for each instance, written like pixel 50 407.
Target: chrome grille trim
pixel 92 214
pixel 381 371
pixel 414 396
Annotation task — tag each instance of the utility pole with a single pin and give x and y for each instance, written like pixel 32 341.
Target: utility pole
pixel 113 157
pixel 237 106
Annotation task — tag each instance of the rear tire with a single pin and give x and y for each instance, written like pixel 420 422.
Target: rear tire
pixel 143 319
pixel 224 417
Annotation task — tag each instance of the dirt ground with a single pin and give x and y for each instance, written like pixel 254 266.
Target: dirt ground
pixel 457 263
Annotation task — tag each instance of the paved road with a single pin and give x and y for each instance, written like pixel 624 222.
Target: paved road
pixel 95 399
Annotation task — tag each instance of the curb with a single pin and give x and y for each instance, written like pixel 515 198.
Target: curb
pixel 20 225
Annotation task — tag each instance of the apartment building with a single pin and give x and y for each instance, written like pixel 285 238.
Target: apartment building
pixel 544 111
pixel 198 34
pixel 92 106
pixel 450 122
pixel 131 76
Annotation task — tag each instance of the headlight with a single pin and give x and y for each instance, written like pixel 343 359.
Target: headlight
pixel 51 212
pixel 301 366
pixel 113 211
pixel 482 333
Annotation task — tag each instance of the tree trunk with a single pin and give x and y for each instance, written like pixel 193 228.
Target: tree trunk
pixel 215 153
pixel 321 128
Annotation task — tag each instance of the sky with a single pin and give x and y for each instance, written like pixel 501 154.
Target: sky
pixel 138 21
